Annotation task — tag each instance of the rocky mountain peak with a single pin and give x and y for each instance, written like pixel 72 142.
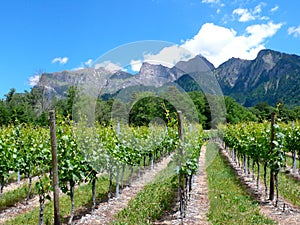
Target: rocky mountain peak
pixel 153 70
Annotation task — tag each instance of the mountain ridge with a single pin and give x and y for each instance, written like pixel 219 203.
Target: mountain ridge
pixel 271 77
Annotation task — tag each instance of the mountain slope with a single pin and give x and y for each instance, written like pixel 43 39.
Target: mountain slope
pixel 271 77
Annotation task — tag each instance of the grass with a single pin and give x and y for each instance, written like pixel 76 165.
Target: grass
pixel 229 201
pixel 289 161
pixel 151 203
pixel 13 177
pixel 82 198
pixel 12 197
pixel 289 188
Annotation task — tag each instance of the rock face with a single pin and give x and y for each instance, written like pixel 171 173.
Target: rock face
pixel 271 77
pixel 155 75
pixel 105 81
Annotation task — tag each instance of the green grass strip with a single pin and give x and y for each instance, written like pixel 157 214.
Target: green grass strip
pixel 289 162
pixel 150 203
pixel 12 197
pixel 83 196
pixel 289 188
pixel 229 202
pixel 83 199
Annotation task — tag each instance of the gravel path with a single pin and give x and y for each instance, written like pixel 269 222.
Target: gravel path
pixel 17 209
pixel 14 185
pixel 285 214
pixel 198 205
pixel 105 211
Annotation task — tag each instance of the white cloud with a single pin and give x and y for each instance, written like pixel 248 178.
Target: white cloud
pixel 34 80
pixel 275 8
pixel 257 9
pixel 244 14
pixel 219 44
pixel 295 31
pixel 169 56
pixel 88 63
pixel 211 1
pixel 136 65
pixel 60 60
pixel 83 65
pixel 108 65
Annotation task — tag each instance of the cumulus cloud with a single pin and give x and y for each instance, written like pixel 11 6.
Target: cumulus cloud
pixel 60 60
pixel 169 56
pixel 34 80
pixel 295 31
pixel 108 65
pixel 219 44
pixel 245 15
pixel 136 65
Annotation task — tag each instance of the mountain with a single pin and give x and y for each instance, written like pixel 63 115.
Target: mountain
pixel 270 77
pixel 155 75
pixel 106 82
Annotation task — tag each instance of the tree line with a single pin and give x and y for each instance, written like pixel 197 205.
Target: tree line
pixel 33 106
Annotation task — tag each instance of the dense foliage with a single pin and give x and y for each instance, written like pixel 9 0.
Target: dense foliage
pixel 263 143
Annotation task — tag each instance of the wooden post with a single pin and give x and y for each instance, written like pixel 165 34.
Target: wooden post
pixel 54 167
pixel 118 169
pixel 272 188
pixel 294 152
pixel 180 176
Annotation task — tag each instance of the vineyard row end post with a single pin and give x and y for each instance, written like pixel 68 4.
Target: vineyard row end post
pixel 54 167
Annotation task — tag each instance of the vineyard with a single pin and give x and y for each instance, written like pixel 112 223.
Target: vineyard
pixel 87 155
pixel 151 174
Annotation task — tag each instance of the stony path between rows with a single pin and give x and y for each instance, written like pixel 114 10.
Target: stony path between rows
pixel 18 209
pixel 104 214
pixel 15 185
pixel 198 205
pixel 285 214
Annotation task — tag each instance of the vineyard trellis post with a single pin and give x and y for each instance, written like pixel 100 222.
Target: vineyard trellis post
pixel 54 167
pixel 294 151
pixel 272 187
pixel 180 175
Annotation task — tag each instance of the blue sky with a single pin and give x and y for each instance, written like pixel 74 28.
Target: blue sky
pixel 54 35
